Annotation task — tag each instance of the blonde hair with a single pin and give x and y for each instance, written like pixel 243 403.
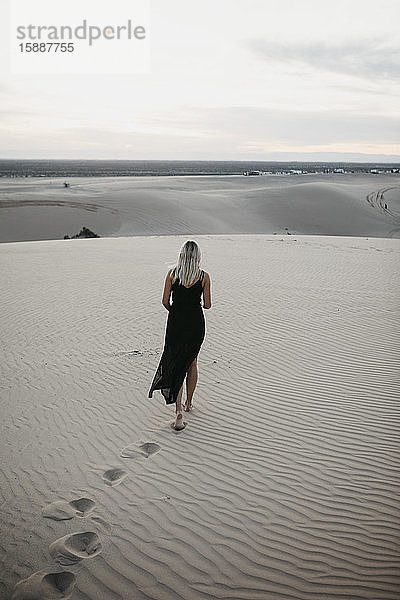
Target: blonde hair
pixel 187 268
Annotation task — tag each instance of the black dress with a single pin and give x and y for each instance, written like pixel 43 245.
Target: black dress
pixel 184 336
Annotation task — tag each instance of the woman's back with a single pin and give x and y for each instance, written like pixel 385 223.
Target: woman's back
pixel 187 296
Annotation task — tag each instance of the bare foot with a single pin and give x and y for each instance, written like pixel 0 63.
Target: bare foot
pixel 179 424
pixel 187 407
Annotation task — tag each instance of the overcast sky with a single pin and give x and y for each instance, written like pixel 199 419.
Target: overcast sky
pixel 229 80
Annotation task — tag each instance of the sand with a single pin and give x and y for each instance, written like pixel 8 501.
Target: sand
pixel 312 204
pixel 284 483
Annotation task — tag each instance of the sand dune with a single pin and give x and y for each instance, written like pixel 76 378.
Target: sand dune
pixel 284 484
pixel 330 204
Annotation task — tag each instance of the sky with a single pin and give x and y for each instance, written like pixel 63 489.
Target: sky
pixel 228 80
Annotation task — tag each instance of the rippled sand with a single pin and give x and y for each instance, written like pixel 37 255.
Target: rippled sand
pixel 284 484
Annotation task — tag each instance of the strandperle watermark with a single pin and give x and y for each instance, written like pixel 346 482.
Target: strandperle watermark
pixel 48 37
pixel 84 31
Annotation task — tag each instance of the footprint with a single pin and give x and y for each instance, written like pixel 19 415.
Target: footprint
pixel 45 585
pixel 73 548
pixel 114 476
pixel 83 506
pixel 149 448
pixel 146 450
pixel 61 510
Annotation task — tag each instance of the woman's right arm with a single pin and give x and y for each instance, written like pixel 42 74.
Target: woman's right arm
pixel 207 291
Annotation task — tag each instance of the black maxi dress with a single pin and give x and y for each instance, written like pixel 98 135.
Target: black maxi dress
pixel 184 336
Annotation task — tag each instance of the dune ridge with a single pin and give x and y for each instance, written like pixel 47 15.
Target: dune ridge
pixel 362 205
pixel 284 484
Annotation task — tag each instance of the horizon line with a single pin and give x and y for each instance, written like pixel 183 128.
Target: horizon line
pixel 392 161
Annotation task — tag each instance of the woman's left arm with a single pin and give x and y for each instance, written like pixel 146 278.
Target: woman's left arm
pixel 167 291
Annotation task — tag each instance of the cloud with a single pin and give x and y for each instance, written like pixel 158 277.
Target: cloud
pixel 295 126
pixel 216 133
pixel 8 113
pixel 370 58
pixel 100 143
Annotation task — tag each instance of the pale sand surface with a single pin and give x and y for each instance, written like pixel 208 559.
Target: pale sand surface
pixel 328 204
pixel 284 484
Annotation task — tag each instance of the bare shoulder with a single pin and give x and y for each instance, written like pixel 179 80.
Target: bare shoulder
pixel 206 277
pixel 169 276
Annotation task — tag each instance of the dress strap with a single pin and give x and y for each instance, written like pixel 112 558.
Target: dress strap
pixel 202 275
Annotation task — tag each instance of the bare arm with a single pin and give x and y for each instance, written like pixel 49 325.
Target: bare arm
pixel 207 291
pixel 167 291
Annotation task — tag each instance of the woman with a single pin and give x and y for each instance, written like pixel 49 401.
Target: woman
pixel 185 329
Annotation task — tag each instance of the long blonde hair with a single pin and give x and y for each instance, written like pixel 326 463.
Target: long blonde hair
pixel 187 268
